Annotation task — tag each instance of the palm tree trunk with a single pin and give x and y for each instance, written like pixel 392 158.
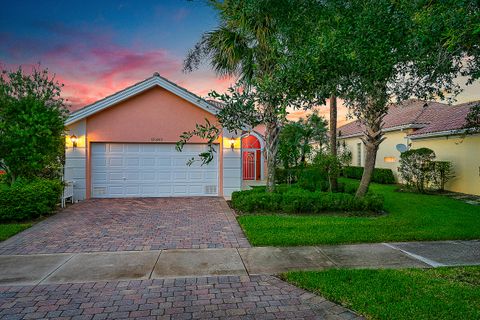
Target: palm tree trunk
pixel 333 136
pixel 373 136
pixel 271 147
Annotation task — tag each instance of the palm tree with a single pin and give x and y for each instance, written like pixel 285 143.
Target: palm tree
pixel 242 46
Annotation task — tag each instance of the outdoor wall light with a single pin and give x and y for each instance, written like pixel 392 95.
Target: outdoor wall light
pixel 232 142
pixel 73 138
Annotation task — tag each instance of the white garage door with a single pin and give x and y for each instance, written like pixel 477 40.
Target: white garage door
pixel 150 170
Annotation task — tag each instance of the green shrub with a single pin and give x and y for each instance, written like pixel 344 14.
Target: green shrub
pixel 296 200
pixel 417 168
pixel 313 179
pixel 380 175
pixel 289 175
pixel 443 173
pixel 24 200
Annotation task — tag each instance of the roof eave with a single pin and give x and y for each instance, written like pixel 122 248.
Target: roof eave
pixel 396 128
pixel 437 134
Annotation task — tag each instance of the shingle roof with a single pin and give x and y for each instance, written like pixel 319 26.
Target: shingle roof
pixel 426 116
pixel 446 118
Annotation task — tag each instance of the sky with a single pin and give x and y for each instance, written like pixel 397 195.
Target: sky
pixel 97 48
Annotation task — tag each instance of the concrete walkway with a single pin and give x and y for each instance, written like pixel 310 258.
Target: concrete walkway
pixel 182 263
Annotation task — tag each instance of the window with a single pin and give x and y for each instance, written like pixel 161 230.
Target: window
pixel 359 154
pixel 390 159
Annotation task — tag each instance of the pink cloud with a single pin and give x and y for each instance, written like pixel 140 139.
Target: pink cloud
pixel 95 66
pixel 324 110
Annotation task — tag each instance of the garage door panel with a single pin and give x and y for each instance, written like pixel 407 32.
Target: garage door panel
pixel 148 189
pixel 148 176
pixel 164 162
pixel 101 177
pixel 115 162
pixel 115 147
pixel 99 162
pixel 116 190
pixel 133 176
pixel 132 190
pixel 195 175
pixel 179 175
pixel 115 177
pixel 135 148
pixel 150 170
pixel 132 162
pixel 164 176
pixel 148 148
pixel 98 148
pixel 148 162
pixel 180 189
pixel 165 190
pixel 196 189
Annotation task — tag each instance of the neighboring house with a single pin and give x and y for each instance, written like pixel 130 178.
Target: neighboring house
pixel 417 124
pixel 124 146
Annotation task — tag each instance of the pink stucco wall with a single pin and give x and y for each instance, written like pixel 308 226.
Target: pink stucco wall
pixel 155 115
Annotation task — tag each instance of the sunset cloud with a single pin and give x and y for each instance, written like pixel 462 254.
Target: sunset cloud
pixel 95 66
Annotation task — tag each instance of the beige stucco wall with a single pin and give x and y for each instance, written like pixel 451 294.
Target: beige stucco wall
pixel 387 149
pixel 464 153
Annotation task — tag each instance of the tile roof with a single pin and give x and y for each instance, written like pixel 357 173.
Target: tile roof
pixel 447 118
pixel 427 116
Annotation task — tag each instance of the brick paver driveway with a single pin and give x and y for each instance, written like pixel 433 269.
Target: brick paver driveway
pixel 132 224
pixel 254 297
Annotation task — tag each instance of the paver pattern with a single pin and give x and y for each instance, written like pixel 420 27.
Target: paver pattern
pixel 232 297
pixel 132 225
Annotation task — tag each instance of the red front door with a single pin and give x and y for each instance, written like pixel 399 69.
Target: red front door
pixel 249 165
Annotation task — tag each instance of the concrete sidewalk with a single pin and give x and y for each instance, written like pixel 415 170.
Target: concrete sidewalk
pixel 178 263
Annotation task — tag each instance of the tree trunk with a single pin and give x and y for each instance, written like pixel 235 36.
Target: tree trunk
pixel 372 139
pixel 370 157
pixel 333 136
pixel 271 147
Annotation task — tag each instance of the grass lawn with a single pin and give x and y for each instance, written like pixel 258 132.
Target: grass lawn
pixel 410 217
pixel 9 229
pixel 443 293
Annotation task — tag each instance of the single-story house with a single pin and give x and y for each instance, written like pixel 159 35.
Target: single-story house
pixel 417 124
pixel 124 146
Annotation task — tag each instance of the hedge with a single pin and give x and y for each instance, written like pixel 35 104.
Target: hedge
pixel 289 175
pixel 380 175
pixel 25 200
pixel 296 200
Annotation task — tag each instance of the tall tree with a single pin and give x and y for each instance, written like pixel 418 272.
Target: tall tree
pixel 32 115
pixel 245 45
pixel 380 51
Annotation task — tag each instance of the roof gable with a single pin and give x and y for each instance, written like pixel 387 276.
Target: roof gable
pixel 155 80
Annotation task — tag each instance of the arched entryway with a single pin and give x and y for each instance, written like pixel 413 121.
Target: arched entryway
pixel 251 158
